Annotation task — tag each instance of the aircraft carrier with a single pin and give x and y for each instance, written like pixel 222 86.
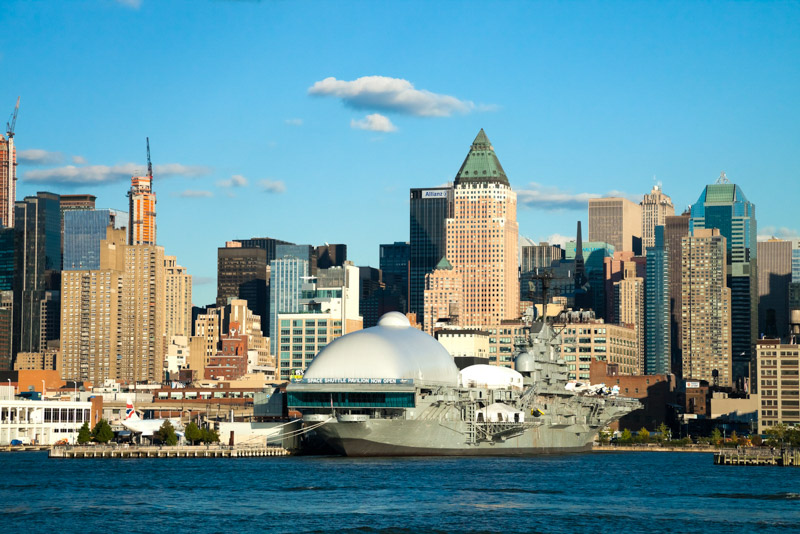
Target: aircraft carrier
pixel 392 390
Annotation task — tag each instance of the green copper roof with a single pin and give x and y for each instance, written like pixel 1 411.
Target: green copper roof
pixel 444 264
pixel 481 165
pixel 722 194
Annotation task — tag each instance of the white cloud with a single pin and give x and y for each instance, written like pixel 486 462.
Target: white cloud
pixel 768 232
pixel 191 193
pixel 558 239
pixel 390 94
pixel 79 160
pixel 237 180
pixel 37 156
pixel 272 186
pixel 104 174
pixel 375 123
pixel 552 198
pixel 203 280
pixel 294 122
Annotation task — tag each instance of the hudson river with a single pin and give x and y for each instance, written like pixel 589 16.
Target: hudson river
pixel 600 492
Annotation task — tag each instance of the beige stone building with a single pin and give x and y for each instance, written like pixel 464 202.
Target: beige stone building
pixel 482 239
pixel 178 295
pixel 656 207
pixel 616 221
pixel 49 360
pixel 581 343
pixel 442 296
pixel 777 371
pixel 705 308
pixel 630 308
pixel 112 319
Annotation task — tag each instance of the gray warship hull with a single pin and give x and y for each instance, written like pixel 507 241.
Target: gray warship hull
pixel 429 438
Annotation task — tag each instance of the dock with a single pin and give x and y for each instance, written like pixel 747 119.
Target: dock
pixel 183 451
pixel 784 458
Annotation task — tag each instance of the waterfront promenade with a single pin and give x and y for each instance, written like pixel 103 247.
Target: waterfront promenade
pixel 180 451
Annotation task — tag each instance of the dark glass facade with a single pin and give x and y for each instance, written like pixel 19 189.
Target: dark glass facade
pixel 83 232
pixel 430 209
pixel 37 221
pixel 394 260
pixel 657 334
pixel 7 266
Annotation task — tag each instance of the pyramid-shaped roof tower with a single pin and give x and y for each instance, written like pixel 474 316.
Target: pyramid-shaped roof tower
pixel 481 164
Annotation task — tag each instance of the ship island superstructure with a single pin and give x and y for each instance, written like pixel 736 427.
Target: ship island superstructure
pixel 393 390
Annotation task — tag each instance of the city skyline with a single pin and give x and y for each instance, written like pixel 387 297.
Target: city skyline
pixel 311 109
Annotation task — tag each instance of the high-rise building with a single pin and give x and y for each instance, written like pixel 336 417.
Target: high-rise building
pixel 429 209
pixel 658 354
pixel 774 277
pixel 656 207
pixel 242 274
pixel 6 330
pixel 142 211
pixel 177 300
pixel 481 238
pixel 38 265
pixel 778 395
pixel 723 205
pixel 7 258
pixel 675 229
pixel 706 308
pixel 8 180
pixel 287 276
pixel 83 230
pixel 616 221
pixel 113 318
pixel 796 260
pixel 393 262
pixel 539 256
pixel 630 308
pixel 444 290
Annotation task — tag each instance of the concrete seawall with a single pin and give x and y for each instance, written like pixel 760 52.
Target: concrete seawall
pixel 650 448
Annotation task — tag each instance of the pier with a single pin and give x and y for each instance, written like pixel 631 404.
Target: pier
pixel 184 451
pixel 785 458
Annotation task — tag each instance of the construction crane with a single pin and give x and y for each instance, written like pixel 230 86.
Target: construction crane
pixel 149 165
pixel 12 121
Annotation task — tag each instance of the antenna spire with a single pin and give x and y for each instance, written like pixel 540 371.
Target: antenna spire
pixel 149 164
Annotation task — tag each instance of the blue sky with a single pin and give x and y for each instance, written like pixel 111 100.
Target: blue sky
pixel 309 121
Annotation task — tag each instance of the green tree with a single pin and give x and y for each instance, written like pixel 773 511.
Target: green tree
pixel 756 440
pixel 735 438
pixel 166 434
pixel 102 432
pixel 604 436
pixel 626 436
pixel 84 434
pixel 643 436
pixel 210 435
pixel 193 432
pixel 716 437
pixel 777 434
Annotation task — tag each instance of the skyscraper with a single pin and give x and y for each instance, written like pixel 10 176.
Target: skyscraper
pixel 113 318
pixel 393 262
pixel 723 205
pixel 38 265
pixel 8 179
pixel 656 207
pixel 774 277
pixel 242 274
pixel 330 255
pixel 706 308
pixel 616 221
pixel 429 209
pixel 481 238
pixel 675 229
pixel 177 299
pixel 142 211
pixel 443 293
pixel 658 354
pixel 287 275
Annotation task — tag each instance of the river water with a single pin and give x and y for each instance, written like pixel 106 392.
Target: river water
pixel 594 492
